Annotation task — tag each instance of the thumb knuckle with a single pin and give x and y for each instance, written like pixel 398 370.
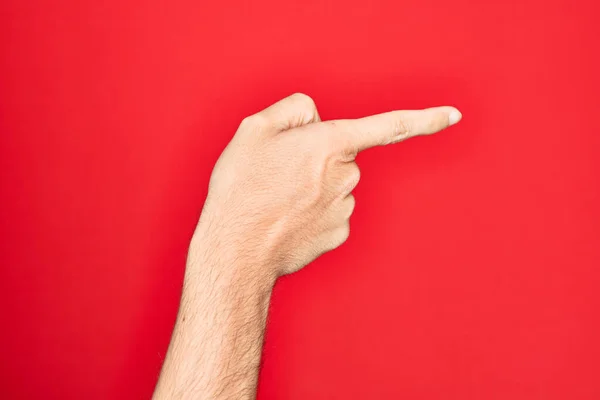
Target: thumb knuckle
pixel 255 121
pixel 303 100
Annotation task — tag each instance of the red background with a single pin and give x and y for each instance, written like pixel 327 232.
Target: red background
pixel 472 268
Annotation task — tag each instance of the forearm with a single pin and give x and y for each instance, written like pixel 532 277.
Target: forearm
pixel 216 346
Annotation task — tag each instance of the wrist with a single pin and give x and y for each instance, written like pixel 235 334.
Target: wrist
pixel 219 256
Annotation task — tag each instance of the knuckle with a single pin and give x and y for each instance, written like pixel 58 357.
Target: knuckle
pixel 304 107
pixel 254 121
pixel 401 129
pixel 304 99
pixel 337 237
pixel 351 205
pixel 355 175
pixel 339 141
pixel 352 178
pixel 351 200
pixel 344 233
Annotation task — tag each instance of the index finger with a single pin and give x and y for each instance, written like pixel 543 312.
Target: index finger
pixel 395 126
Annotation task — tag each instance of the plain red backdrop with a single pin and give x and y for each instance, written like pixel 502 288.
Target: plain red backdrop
pixel 472 271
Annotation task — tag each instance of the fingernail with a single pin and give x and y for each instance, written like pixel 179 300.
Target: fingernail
pixel 454 117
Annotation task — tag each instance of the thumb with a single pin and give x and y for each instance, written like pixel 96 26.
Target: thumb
pixel 291 112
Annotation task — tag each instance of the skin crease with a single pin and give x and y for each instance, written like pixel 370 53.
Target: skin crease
pixel 279 196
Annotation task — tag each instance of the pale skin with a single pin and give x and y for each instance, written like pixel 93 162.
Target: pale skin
pixel 279 196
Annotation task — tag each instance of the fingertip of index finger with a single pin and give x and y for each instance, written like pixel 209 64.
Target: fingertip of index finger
pixel 454 115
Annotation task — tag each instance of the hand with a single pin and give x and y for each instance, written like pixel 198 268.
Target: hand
pixel 280 195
